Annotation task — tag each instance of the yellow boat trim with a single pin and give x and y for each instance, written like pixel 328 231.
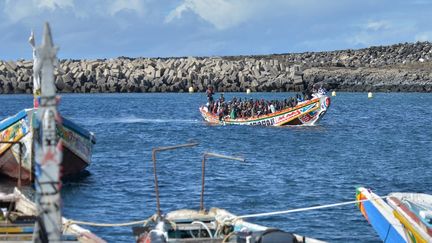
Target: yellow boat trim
pixel 7 146
pixel 299 115
pixel 412 231
pixel 11 230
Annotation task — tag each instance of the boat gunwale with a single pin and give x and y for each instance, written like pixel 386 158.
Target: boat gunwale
pixel 77 129
pixel 401 211
pixel 9 121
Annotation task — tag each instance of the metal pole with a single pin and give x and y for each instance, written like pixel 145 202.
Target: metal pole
pixel 156 182
pixel 154 150
pixel 20 165
pixel 203 171
pixel 33 147
pixel 202 182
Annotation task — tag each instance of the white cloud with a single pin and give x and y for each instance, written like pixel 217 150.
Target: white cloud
pixel 424 36
pixel 130 5
pixel 225 14
pixel 421 2
pixel 17 10
pixel 377 25
pixel 222 14
pixel 363 38
pixel 53 4
pixel 382 32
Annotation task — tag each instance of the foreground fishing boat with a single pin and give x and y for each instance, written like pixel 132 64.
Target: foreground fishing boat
pixel 308 112
pixel 403 217
pixel 21 219
pixel 18 217
pixel 414 211
pixel 214 225
pixel 17 139
pixel 380 215
pixel 77 146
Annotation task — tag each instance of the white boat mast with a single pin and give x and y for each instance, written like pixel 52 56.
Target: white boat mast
pixel 48 148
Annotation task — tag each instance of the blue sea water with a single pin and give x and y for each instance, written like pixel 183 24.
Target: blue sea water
pixel 384 143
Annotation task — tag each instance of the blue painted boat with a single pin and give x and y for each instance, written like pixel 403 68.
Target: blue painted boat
pixel 380 215
pixel 77 146
pixel 414 211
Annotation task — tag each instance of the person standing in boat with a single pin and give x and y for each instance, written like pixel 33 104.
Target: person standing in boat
pixel 222 98
pixel 307 94
pixel 210 94
pixel 221 110
pixel 272 107
pixel 233 111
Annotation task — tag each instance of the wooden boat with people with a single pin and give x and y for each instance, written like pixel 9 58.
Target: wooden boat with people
pixel 307 112
pixel 213 225
pixel 403 217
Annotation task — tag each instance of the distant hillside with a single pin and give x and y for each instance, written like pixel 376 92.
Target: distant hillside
pixel 395 68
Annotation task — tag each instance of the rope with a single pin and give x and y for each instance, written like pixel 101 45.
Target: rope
pixel 304 209
pixel 205 226
pixel 69 222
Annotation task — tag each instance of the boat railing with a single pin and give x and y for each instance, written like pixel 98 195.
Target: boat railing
pixel 205 156
pixel 20 145
pixel 176 220
pixel 154 151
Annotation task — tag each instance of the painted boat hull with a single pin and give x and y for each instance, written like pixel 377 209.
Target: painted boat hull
pixel 414 211
pixel 77 146
pixel 380 215
pixel 305 113
pixel 9 166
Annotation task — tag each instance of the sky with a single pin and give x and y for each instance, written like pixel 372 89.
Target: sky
pixel 92 29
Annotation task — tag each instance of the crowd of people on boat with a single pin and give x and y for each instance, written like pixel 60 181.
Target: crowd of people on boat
pixel 247 108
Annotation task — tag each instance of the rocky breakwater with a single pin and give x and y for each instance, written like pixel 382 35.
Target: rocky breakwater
pixel 401 67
